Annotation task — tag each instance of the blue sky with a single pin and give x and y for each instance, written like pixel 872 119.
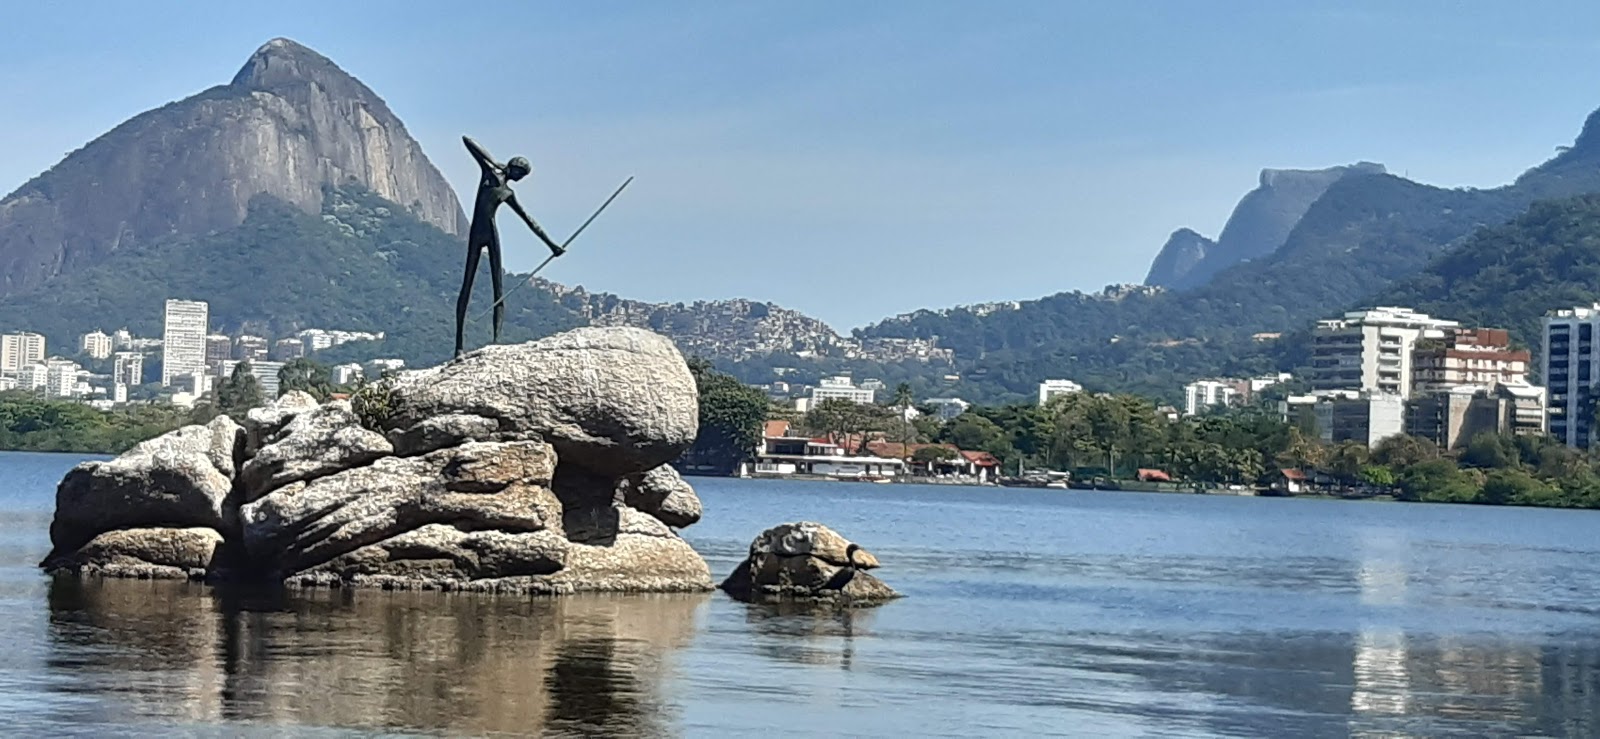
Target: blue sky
pixel 857 160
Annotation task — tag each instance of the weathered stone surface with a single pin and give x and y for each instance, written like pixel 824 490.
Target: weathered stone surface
pixel 227 445
pixel 475 487
pixel 662 492
pixel 620 549
pixel 806 561
pixel 150 553
pixel 451 429
pixel 316 443
pixel 289 124
pixel 262 424
pixel 436 554
pixel 171 480
pixel 614 400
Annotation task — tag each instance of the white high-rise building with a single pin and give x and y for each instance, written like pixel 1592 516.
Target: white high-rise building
pixel 1052 388
pixel 127 368
pixel 20 350
pixel 60 378
pixel 265 373
pixel 1571 370
pixel 1371 350
pixel 33 376
pixel 183 339
pixel 346 374
pixel 840 388
pixel 95 344
pixel 1202 394
pixel 121 339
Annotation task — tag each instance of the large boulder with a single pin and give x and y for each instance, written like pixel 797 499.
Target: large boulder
pixel 146 553
pixel 476 487
pixel 315 443
pixel 662 492
pixel 619 549
pixel 807 561
pixel 179 479
pixel 261 424
pixel 617 401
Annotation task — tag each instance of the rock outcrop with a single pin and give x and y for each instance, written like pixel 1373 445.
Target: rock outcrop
pixel 528 468
pixel 1258 226
pixel 807 561
pixel 290 123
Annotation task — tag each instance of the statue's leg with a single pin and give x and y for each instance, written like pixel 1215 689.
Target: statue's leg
pixel 499 295
pixel 466 296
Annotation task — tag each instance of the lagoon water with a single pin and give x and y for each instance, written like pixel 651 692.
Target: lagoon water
pixel 1030 612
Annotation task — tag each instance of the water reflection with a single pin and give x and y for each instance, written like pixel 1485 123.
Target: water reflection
pixel 470 663
pixel 815 634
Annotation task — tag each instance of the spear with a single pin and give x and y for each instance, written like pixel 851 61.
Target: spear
pixel 535 272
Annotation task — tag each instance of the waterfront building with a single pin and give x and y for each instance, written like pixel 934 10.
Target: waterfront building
pixel 1365 417
pixel 19 350
pixel 1371 350
pixel 127 368
pixel 1451 417
pixel 840 388
pixel 1052 388
pixel 183 338
pixel 1480 357
pixel 95 345
pixel 1571 369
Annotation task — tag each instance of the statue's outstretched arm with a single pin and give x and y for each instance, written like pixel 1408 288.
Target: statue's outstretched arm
pixel 484 160
pixel 517 208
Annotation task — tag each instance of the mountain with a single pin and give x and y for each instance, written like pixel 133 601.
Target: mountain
pixel 1366 232
pixel 1259 225
pixel 289 124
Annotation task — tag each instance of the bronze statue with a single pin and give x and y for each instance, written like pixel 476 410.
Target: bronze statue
pixel 494 188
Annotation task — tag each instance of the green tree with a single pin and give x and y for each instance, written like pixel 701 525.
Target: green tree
pixel 307 375
pixel 240 392
pixel 1403 450
pixel 928 454
pixel 732 416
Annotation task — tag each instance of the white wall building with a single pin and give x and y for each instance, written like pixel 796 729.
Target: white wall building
pixel 61 378
pixel 183 338
pixel 1368 418
pixel 1571 368
pixel 346 374
pixel 95 344
pixel 1371 350
pixel 840 388
pixel 1052 388
pixel 265 373
pixel 121 339
pixel 948 408
pixel 127 368
pixel 33 376
pixel 1202 394
pixel 20 350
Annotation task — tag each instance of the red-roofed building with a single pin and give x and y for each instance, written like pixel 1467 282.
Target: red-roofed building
pixel 1147 475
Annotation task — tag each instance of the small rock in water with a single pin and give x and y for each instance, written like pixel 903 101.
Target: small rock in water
pixel 807 561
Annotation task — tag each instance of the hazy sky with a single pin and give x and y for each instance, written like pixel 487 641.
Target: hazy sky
pixel 857 160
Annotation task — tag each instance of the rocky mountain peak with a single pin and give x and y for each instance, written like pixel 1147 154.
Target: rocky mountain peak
pixel 290 124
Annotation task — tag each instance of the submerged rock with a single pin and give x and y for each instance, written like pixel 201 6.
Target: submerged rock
pixel 807 561
pixel 464 483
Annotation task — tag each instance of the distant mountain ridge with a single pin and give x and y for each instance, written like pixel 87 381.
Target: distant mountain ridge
pixel 1259 225
pixel 288 124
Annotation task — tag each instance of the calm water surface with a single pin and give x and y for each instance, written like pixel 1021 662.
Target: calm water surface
pixel 1030 613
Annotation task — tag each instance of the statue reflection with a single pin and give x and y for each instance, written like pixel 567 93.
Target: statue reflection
pixel 423 661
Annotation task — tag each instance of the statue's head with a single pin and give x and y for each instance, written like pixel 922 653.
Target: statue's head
pixel 518 168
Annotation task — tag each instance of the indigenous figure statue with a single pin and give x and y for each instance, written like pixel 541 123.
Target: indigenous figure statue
pixel 494 188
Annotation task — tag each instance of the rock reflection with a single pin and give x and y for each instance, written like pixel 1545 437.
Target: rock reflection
pixel 809 633
pixel 470 663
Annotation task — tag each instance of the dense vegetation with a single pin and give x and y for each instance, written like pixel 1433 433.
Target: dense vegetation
pixel 732 416
pixel 31 423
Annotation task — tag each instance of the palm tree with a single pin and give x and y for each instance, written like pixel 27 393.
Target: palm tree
pixel 903 400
